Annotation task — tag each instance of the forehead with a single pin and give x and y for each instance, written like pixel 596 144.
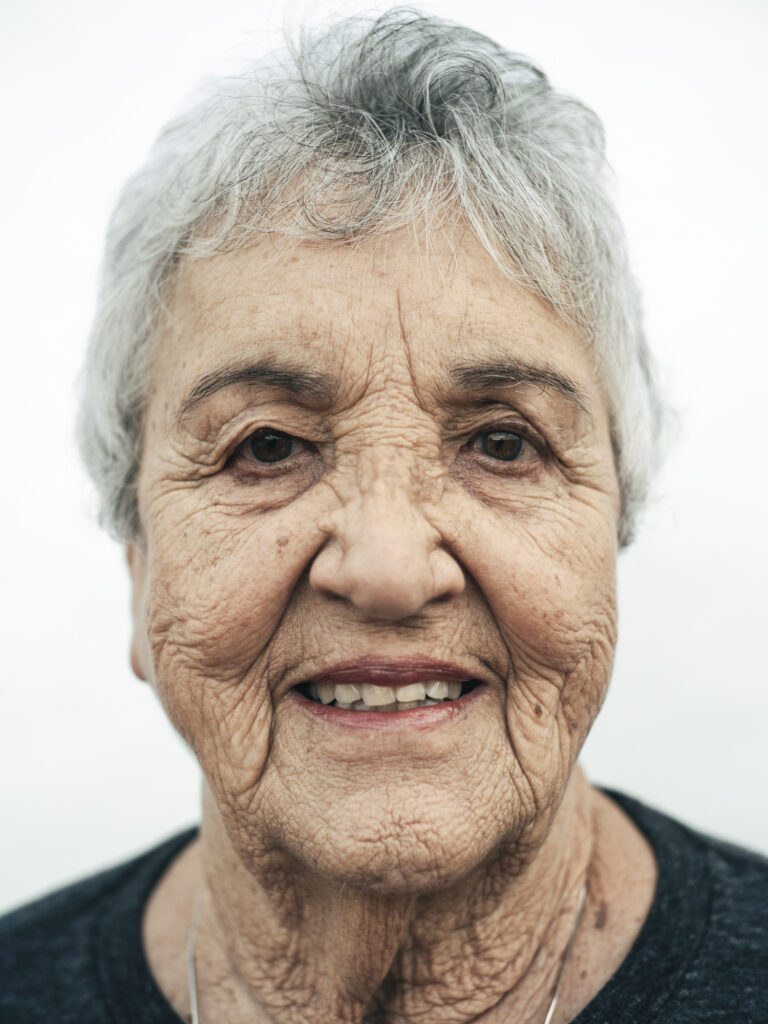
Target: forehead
pixel 385 310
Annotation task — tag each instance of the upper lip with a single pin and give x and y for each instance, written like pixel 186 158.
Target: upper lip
pixel 378 671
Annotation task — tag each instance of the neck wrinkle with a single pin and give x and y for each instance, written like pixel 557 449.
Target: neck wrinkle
pixel 487 950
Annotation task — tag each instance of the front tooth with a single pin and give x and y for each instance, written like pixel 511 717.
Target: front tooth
pixel 438 690
pixel 414 691
pixel 347 693
pixel 326 692
pixel 377 696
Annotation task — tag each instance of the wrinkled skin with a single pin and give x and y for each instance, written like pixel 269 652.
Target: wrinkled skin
pixel 387 531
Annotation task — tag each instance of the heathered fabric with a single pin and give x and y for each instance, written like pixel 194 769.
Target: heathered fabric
pixel 75 957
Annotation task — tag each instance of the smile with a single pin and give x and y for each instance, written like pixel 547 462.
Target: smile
pixel 351 696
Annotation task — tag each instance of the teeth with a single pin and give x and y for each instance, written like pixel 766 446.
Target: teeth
pixel 364 697
pixel 360 705
pixel 377 696
pixel 405 694
pixel 442 691
pixel 348 693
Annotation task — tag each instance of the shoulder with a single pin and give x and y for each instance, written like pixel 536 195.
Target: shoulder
pixel 52 951
pixel 738 876
pixel 707 931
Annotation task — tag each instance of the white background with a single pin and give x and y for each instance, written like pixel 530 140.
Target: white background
pixel 89 770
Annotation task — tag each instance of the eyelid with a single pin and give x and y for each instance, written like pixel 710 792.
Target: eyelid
pixel 226 429
pixel 522 429
pixel 503 430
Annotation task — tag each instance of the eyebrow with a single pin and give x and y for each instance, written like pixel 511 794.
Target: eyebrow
pixel 316 388
pixel 505 373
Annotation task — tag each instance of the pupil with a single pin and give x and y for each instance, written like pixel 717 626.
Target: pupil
pixel 271 446
pixel 502 445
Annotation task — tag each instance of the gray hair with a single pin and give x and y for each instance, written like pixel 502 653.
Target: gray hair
pixel 368 126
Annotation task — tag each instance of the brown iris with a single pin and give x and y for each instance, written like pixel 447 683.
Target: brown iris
pixel 270 445
pixel 501 444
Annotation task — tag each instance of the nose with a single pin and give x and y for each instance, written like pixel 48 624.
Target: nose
pixel 384 556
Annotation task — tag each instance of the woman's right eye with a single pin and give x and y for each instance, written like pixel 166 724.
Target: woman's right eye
pixel 269 446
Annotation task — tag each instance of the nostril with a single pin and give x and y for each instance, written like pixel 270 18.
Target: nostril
pixel 325 573
pixel 448 578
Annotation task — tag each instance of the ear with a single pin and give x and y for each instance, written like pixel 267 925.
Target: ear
pixel 141 662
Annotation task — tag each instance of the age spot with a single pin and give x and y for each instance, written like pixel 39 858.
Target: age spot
pixel 282 541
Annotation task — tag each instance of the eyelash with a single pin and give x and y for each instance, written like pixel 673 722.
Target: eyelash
pixel 265 466
pixel 530 446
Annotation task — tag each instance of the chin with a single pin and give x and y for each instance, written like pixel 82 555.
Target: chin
pixel 422 846
pixel 412 869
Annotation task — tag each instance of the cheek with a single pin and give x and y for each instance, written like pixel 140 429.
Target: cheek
pixel 218 587
pixel 556 610
pixel 550 585
pixel 551 593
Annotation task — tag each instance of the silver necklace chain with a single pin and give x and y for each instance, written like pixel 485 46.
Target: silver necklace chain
pixel 191 958
pixel 192 969
pixel 566 955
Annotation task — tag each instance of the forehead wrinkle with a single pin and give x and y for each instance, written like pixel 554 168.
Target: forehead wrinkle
pixel 408 353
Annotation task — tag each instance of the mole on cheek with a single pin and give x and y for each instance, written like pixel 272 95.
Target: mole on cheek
pixel 282 541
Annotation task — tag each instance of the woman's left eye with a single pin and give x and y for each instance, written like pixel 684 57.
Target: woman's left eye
pixel 502 445
pixel 270 446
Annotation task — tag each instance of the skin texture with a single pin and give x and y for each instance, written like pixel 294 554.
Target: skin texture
pixel 410 874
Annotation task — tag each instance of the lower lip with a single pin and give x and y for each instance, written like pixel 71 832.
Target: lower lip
pixel 412 718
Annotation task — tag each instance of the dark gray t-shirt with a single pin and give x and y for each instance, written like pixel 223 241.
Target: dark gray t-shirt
pixel 76 957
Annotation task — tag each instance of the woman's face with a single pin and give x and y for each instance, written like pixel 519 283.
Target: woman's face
pixel 372 464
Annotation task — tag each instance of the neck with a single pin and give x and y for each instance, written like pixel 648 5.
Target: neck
pixel 278 943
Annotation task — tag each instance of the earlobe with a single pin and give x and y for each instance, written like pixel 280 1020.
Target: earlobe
pixel 137 659
pixel 139 655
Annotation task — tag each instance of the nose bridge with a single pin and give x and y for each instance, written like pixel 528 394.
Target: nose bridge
pixel 394 475
pixel 386 517
pixel 385 555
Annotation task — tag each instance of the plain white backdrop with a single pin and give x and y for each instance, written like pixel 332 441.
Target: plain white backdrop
pixel 90 772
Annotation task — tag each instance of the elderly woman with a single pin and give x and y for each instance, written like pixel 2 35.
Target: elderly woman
pixel 369 403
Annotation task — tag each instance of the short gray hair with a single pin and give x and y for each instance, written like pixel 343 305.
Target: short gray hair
pixel 368 126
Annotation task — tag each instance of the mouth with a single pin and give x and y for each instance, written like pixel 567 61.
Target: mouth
pixel 378 697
